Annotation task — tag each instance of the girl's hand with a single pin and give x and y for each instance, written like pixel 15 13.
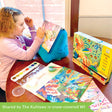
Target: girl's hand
pixel 29 21
pixel 40 33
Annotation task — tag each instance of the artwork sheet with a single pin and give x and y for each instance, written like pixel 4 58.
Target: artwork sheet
pixel 66 86
pixel 51 33
pixel 100 102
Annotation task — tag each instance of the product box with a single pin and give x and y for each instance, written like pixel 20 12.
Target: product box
pixel 93 55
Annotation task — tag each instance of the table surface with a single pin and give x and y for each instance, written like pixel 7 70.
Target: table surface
pixel 67 62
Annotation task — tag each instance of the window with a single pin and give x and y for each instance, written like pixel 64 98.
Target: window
pixel 1 3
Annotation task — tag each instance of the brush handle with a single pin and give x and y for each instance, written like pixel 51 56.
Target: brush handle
pixel 54 67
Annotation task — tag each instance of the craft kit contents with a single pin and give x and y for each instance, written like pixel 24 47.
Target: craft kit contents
pixel 55 83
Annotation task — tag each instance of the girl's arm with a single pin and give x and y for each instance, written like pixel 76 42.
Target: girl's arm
pixel 12 49
pixel 28 41
pixel 29 23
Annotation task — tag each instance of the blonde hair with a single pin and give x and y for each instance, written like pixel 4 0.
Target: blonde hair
pixel 7 20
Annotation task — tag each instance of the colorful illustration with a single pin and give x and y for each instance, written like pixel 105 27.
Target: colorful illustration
pixel 51 31
pixel 87 51
pixel 66 86
pixel 94 54
pixel 100 102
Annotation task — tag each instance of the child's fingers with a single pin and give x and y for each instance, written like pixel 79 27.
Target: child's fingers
pixel 40 32
pixel 26 18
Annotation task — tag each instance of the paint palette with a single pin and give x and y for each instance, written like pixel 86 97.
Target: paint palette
pixel 25 71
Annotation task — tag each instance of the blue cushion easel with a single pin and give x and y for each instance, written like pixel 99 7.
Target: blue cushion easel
pixel 59 49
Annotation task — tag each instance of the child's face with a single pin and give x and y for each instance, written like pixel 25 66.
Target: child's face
pixel 19 25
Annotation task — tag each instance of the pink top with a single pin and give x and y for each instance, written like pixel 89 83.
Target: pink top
pixel 15 49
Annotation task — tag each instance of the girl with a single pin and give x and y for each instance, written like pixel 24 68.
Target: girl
pixel 12 43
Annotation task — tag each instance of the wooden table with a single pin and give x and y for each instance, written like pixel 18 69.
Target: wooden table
pixel 67 62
